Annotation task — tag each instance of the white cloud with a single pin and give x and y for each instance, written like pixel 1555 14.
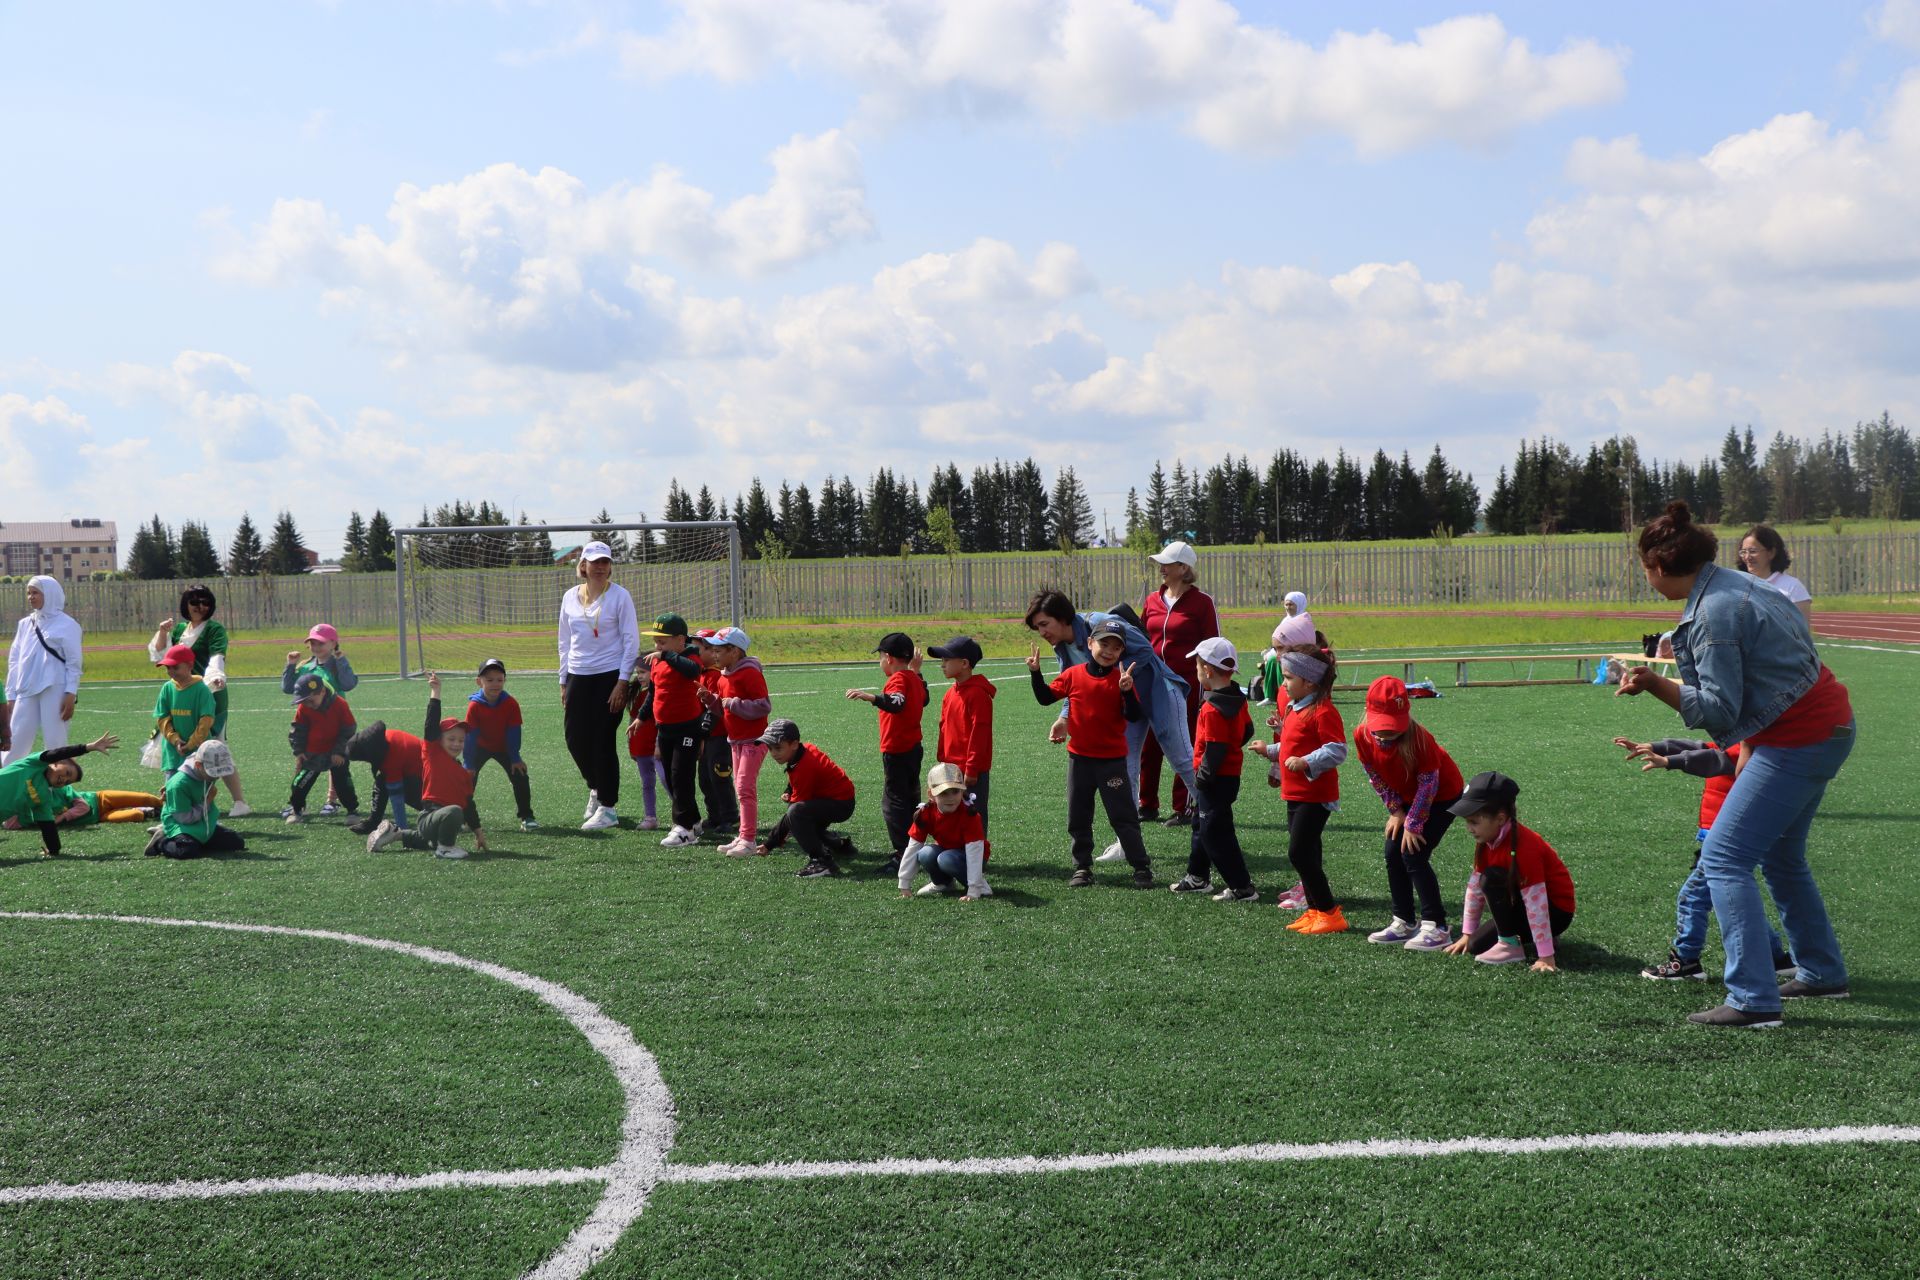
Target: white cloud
pixel 1897 22
pixel 1236 84
pixel 39 439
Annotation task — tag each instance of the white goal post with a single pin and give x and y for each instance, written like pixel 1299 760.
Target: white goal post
pixel 466 593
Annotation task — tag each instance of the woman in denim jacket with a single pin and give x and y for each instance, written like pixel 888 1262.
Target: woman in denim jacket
pixel 1749 673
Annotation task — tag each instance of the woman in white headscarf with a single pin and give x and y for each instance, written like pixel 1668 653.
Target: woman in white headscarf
pixel 43 670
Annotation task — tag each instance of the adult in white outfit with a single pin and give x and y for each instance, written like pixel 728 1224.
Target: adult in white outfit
pixel 1763 553
pixel 43 670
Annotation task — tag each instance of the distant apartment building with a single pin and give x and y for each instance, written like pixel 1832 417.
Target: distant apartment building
pixel 66 549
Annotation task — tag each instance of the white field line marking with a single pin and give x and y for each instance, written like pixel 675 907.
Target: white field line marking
pixel 1867 648
pixel 646 1130
pixel 300 1183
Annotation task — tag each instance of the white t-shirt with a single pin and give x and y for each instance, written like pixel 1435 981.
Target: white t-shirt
pixel 601 638
pixel 1790 587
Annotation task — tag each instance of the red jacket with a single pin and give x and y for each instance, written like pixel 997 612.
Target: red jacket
pixel 446 778
pixel 676 697
pixel 1176 630
pixel 488 722
pixel 812 776
pixel 404 758
pixel 323 730
pixel 1389 768
pixel 1301 734
pixel 744 680
pixel 1215 725
pixel 966 726
pixel 1535 862
pixel 954 830
pixel 900 730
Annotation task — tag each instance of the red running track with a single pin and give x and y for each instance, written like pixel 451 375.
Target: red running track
pixel 1891 628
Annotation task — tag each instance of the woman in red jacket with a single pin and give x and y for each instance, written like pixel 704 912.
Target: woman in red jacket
pixel 1176 619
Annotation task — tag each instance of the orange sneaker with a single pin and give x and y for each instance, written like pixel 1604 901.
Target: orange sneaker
pixel 1300 922
pixel 1333 921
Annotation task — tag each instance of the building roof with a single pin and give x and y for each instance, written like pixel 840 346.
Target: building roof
pixel 57 531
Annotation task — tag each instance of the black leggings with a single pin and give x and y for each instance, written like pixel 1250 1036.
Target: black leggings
pixel 1506 914
pixel 1215 841
pixel 1087 777
pixel 593 734
pixel 307 775
pixel 1306 819
pixel 680 747
pixel 1408 873
pixel 517 779
pixel 900 794
pixel 223 840
pixel 807 822
pixel 716 784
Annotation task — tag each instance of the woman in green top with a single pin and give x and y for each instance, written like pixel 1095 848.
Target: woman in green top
pixel 208 640
pixel 30 787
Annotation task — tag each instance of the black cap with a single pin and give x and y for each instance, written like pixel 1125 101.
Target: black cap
pixel 958 647
pixel 1107 627
pixel 309 684
pixel 779 731
pixel 896 644
pixel 1486 791
pixel 491 664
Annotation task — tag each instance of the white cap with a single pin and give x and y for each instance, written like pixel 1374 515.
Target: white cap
pixel 216 761
pixel 1177 553
pixel 1217 652
pixel 596 551
pixel 730 635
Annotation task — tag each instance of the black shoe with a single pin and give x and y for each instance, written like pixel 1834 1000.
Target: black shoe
pixel 1143 877
pixel 1180 818
pixel 1784 967
pixel 1150 815
pixel 842 845
pixel 816 868
pixel 1673 969
pixel 1081 878
pixel 364 827
pixel 1192 884
pixel 1725 1015
pixel 1798 990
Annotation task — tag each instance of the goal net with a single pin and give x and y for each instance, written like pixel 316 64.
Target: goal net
pixel 466 594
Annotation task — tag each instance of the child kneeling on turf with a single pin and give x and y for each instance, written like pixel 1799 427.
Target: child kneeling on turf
pixel 1518 881
pixel 1220 735
pixel 819 794
pixel 1101 700
pixel 946 840
pixel 1416 779
pixel 322 726
pixel 493 733
pixel 189 819
pixel 1307 753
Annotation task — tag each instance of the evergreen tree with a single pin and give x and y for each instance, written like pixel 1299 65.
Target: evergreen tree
pixel 616 539
pixel 379 544
pixel 1136 518
pixel 757 519
pixel 197 558
pixel 1159 496
pixel 1500 512
pixel 1029 508
pixel 532 549
pixel 246 557
pixel 152 553
pixel 1070 512
pixel 285 555
pixel 353 552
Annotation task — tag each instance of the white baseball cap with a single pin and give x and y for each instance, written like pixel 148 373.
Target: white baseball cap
pixel 1177 553
pixel 1217 652
pixel 945 777
pixel 596 551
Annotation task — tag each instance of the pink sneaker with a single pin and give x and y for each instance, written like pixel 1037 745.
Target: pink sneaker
pixel 1294 899
pixel 649 824
pixel 1502 953
pixel 732 847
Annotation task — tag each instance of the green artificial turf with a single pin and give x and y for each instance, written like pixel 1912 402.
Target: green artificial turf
pixel 830 1020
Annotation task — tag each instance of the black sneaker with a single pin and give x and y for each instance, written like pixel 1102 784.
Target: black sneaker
pixel 1784 966
pixel 1081 878
pixel 842 845
pixel 364 827
pixel 1192 884
pixel 1143 878
pixel 1725 1015
pixel 1180 818
pixel 1149 815
pixel 1231 894
pixel 1795 989
pixel 817 867
pixel 1673 969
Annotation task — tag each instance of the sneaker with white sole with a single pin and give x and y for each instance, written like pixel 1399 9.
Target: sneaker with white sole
pixel 292 818
pixel 602 818
pixel 1725 1015
pixel 328 809
pixel 1294 899
pixel 1399 931
pixel 1112 853
pixel 593 805
pixel 729 847
pixel 1432 937
pixel 1231 894
pixel 528 824
pixel 288 811
pixel 1795 989
pixel 1502 953
pixel 933 889
pixel 1674 969
pixel 1191 884
pixel 241 810
pixel 449 851
pixel 699 829
pixel 679 838
pixel 382 836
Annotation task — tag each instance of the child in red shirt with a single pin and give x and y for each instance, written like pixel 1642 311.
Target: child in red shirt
pixel 446 789
pixel 1310 747
pixel 1221 732
pixel 966 719
pixel 740 695
pixel 1101 701
pixel 716 760
pixel 946 840
pixel 322 725
pixel 1416 779
pixel 493 733
pixel 899 704
pixel 819 794
pixel 1517 878
pixel 398 760
pixel 673 693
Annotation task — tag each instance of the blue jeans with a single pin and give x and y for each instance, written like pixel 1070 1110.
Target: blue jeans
pixel 944 865
pixel 1169 726
pixel 1692 908
pixel 1763 825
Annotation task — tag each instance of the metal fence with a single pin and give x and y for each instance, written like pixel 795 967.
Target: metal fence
pixel 1462 572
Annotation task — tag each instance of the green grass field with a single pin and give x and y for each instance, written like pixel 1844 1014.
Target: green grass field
pixel 831 1021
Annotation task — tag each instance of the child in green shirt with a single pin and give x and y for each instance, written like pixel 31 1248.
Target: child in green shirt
pixel 183 713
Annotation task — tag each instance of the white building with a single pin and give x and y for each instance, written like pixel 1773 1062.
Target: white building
pixel 66 549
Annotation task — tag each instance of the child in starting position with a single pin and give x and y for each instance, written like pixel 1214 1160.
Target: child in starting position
pixel 446 789
pixel 493 734
pixel 902 698
pixel 1220 737
pixel 1416 779
pixel 819 794
pixel 1307 753
pixel 324 656
pixel 1518 881
pixel 946 840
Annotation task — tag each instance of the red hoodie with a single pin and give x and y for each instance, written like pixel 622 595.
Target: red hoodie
pixel 966 726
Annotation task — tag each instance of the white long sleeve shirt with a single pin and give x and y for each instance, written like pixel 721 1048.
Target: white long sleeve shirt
pixel 31 669
pixel 601 637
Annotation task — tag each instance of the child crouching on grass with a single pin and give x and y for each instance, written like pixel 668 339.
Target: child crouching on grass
pixel 322 727
pixel 1307 753
pixel 1518 881
pixel 1220 736
pixel 945 839
pixel 1417 780
pixel 819 794
pixel 446 789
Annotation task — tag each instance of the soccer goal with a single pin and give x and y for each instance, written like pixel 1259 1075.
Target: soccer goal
pixel 468 593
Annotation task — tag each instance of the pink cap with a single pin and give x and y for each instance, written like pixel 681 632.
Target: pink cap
pixel 324 631
pixel 179 653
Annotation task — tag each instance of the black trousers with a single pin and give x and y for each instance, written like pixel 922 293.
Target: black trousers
pixel 223 840
pixel 979 797
pixel 1215 842
pixel 679 747
pixel 807 822
pixel 522 786
pixel 1306 819
pixel 308 774
pixel 1408 873
pixel 1506 914
pixel 1088 777
pixel 900 794
pixel 593 734
pixel 716 784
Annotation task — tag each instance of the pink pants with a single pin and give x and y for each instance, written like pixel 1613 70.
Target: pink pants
pixel 747 759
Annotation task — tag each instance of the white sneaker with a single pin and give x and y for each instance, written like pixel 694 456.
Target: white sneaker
pixel 291 818
pixel 449 851
pixel 600 819
pixel 328 809
pixel 699 829
pixel 931 890
pixel 679 838
pixel 1399 931
pixel 1432 937
pixel 241 810
pixel 528 824
pixel 733 846
pixel 383 835
pixel 593 805
pixel 1113 853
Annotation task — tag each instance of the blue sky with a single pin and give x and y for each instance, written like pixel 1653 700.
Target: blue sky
pixel 339 256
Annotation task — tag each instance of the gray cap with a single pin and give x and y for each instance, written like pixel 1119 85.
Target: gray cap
pixel 779 731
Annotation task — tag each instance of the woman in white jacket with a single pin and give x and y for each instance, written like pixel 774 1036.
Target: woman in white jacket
pixel 43 670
